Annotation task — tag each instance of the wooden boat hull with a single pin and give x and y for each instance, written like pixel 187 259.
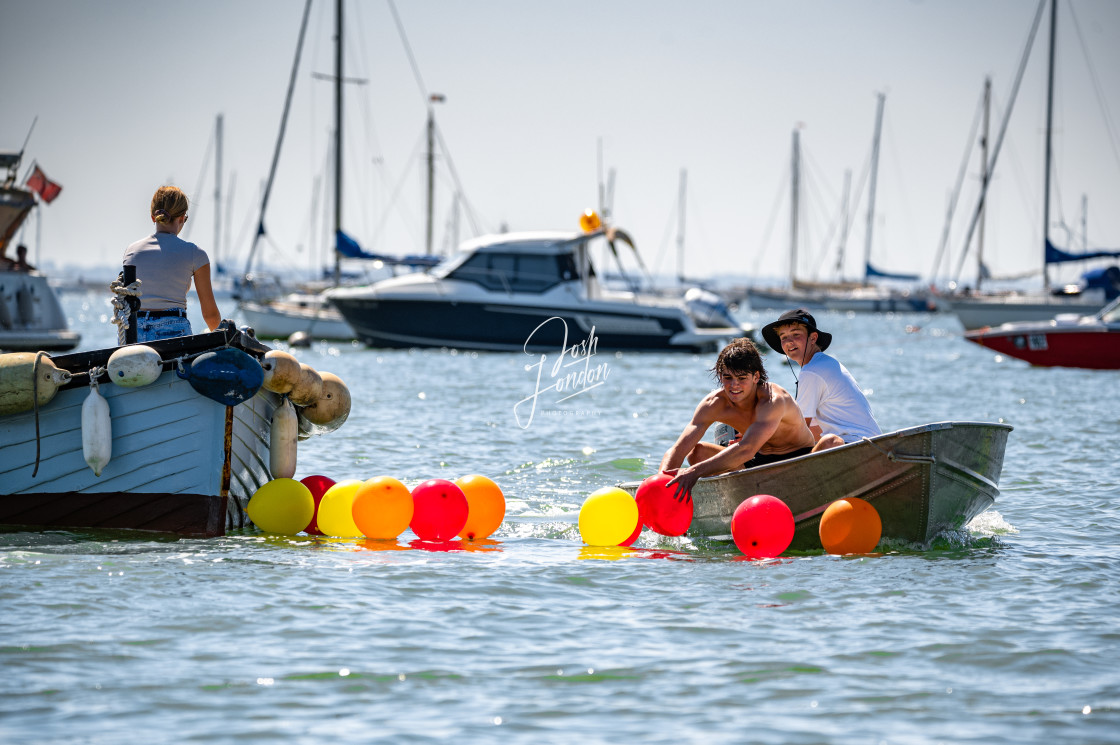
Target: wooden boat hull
pixel 922 481
pixel 181 463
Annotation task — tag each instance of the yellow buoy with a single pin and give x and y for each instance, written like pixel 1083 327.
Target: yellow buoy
pixel 18 384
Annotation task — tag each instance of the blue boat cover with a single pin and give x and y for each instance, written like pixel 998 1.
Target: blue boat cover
pixel 873 272
pixel 350 249
pixel 1055 255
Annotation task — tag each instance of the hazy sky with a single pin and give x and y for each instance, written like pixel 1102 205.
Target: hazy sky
pixel 127 92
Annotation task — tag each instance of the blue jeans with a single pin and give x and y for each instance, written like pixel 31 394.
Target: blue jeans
pixel 154 329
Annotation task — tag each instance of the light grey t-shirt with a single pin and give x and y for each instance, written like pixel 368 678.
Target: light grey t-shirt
pixel 165 264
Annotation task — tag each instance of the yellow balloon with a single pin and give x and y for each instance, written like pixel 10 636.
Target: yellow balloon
pixel 608 517
pixel 336 510
pixel 282 506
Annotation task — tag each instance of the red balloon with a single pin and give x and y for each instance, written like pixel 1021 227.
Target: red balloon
pixel 659 509
pixel 440 510
pixel 318 486
pixel 633 536
pixel 762 527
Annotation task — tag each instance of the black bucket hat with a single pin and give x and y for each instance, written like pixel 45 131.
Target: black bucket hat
pixel 802 316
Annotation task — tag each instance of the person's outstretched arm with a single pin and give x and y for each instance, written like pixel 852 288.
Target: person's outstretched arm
pixel 205 291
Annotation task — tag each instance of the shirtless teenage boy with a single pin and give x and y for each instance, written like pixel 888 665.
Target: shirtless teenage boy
pixel 773 426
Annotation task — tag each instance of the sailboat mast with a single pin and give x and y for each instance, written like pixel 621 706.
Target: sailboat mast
pixel 217 190
pixel 680 226
pixel 844 214
pixel 337 137
pixel 431 201
pixel 794 205
pixel 984 176
pixel 1049 132
pixel 871 188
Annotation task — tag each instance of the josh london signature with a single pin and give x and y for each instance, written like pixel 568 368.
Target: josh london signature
pixel 571 373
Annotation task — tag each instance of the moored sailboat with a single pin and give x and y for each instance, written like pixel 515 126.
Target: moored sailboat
pixel 976 310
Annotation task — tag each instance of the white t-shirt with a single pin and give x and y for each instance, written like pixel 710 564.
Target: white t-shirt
pixel 829 396
pixel 165 264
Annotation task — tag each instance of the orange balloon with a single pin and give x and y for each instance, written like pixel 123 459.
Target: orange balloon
pixel 486 506
pixel 382 507
pixel 850 526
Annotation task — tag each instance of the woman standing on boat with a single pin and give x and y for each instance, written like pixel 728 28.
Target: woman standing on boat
pixel 166 264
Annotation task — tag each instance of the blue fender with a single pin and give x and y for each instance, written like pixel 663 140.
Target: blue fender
pixel 228 376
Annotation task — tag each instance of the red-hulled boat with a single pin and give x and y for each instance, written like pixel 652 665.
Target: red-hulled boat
pixel 1065 341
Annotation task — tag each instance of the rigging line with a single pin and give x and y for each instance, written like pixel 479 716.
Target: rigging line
pixel 408 52
pixel 999 139
pixel 201 180
pixel 1109 127
pixel 413 157
pixel 472 214
pixel 961 173
pixel 670 223
pixel 854 204
pixel 370 129
pixel 696 220
pixel 779 198
pixel 819 178
pixel 904 197
pixel 280 138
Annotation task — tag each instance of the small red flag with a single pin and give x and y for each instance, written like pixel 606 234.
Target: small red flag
pixel 46 188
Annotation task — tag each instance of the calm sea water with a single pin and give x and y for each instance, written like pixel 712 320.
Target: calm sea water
pixel 1004 634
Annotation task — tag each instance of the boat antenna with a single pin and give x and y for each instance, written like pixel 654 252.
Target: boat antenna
pixel 28 138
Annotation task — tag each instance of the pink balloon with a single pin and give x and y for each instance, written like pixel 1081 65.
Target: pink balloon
pixel 659 509
pixel 762 527
pixel 318 486
pixel 440 510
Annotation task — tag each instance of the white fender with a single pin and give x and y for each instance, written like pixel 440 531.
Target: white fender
pixel 133 367
pixel 282 441
pixel 97 431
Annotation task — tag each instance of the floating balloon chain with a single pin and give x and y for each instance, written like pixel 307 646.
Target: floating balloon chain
pixel 762 526
pixel 380 508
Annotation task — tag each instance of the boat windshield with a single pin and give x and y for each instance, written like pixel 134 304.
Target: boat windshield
pixel 512 270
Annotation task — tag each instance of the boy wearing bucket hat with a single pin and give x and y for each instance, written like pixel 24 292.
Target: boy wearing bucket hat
pixel 835 408
pixel 772 425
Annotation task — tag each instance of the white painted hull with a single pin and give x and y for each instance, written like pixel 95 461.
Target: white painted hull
pixel 31 318
pixel 279 320
pixel 979 312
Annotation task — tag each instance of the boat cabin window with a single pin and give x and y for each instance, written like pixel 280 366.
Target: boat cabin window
pixel 516 272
